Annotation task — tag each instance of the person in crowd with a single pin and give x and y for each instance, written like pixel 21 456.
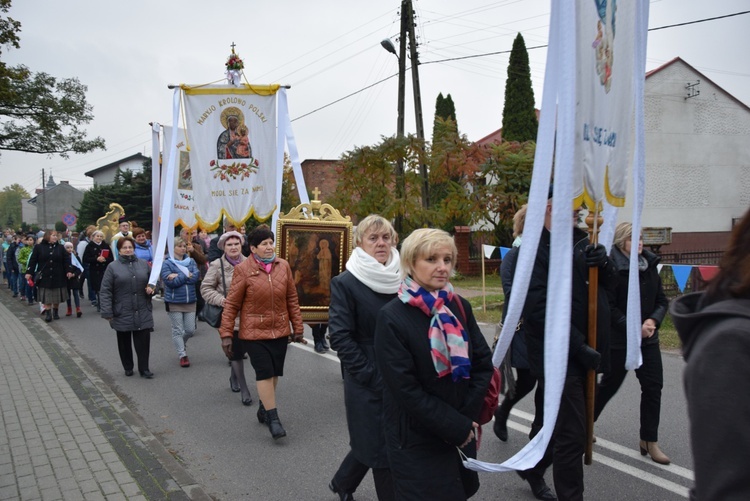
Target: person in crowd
pixel 83 241
pixel 436 368
pixel 714 327
pixel 124 232
pixel 213 249
pixel 195 251
pixel 264 295
pixel 97 256
pixel 3 259
pixel 125 302
pixel 179 275
pixel 73 274
pixel 205 240
pixel 50 262
pixel 371 280
pixel 23 253
pixel 13 264
pixel 525 381
pixel 565 450
pixel 654 306
pixel 143 248
pixel 214 289
pixel 22 257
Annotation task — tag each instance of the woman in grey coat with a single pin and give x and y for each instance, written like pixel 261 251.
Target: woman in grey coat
pixel 371 279
pixel 125 301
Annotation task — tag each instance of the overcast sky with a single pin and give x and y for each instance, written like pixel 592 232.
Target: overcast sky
pixel 127 53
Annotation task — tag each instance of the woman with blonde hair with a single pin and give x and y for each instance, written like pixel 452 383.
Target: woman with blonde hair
pixel 436 367
pixel 97 256
pixel 371 279
pixel 180 274
pixel 654 306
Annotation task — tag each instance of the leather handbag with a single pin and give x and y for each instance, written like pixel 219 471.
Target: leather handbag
pixel 212 313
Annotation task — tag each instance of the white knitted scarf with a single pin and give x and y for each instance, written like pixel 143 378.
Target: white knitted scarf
pixel 384 279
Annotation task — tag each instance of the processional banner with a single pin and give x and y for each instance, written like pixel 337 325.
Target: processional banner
pixel 232 143
pixel 183 204
pixel 592 105
pixel 605 106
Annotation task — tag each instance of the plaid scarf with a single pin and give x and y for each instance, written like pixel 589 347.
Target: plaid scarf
pixel 448 339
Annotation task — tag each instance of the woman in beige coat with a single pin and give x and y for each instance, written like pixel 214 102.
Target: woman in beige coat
pixel 214 288
pixel 264 295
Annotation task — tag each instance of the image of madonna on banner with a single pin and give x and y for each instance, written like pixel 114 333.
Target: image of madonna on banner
pixel 232 138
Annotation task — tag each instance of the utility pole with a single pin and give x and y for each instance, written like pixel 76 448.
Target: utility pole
pixel 44 203
pixel 400 180
pixel 417 99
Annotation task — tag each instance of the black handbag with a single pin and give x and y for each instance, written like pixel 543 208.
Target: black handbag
pixel 212 313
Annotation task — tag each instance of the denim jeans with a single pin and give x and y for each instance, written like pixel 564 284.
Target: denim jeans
pixel 183 327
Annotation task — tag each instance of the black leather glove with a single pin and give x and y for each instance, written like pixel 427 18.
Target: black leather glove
pixel 589 357
pixel 596 255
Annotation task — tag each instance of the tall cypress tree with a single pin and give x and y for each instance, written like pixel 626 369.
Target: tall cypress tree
pixel 519 117
pixel 444 110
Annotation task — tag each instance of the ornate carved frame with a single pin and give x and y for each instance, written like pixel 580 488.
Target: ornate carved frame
pixel 295 234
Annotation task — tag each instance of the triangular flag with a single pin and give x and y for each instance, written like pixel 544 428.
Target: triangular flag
pixel 488 250
pixel 681 274
pixel 659 267
pixel 708 272
pixel 503 252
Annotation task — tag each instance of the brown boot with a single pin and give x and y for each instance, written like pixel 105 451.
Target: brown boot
pixel 652 449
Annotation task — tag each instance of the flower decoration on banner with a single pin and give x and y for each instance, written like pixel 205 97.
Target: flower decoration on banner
pixel 234 62
pixel 235 170
pixel 234 65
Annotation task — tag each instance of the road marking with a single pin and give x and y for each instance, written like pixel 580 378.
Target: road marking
pixel 600 443
pixel 619 465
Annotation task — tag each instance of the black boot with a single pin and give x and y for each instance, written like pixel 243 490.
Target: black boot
pixel 274 425
pixel 48 316
pixel 261 413
pixel 500 427
pixel 319 337
pixel 55 314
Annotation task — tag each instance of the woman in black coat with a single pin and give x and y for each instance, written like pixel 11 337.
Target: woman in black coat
pixel 97 256
pixel 125 301
pixel 654 306
pixel 436 367
pixel 371 279
pixel 49 261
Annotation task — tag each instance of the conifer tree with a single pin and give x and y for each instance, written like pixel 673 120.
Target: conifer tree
pixel 519 116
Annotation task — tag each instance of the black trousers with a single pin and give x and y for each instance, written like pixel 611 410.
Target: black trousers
pixel 142 342
pixel 350 475
pixel 565 450
pixel 651 376
pixel 525 382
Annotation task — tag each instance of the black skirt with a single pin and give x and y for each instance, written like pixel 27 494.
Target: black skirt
pixel 267 356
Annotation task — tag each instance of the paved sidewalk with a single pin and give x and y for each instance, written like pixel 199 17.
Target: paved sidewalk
pixel 64 435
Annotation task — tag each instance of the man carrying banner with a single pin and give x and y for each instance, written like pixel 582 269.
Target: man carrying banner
pixel 565 450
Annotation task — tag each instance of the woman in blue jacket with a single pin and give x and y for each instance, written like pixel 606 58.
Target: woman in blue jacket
pixel 180 274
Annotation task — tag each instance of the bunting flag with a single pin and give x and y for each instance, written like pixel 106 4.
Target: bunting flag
pixel 489 249
pixel 182 185
pixel 708 272
pixel 681 274
pixel 233 152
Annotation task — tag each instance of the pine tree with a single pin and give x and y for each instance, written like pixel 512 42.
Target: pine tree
pixel 519 116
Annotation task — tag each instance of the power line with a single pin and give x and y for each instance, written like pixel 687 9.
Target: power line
pixel 474 56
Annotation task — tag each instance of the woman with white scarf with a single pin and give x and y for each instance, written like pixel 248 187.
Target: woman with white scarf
pixel 371 280
pixel 74 272
pixel 180 274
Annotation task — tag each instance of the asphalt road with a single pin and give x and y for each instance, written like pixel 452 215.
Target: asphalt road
pixel 220 442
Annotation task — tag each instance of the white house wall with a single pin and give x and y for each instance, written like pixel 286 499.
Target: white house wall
pixel 697 154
